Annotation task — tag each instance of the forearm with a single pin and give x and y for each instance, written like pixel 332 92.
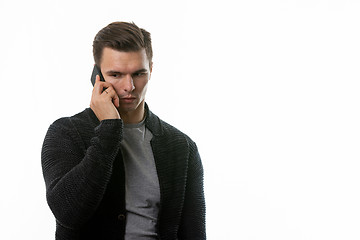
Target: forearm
pixel 76 181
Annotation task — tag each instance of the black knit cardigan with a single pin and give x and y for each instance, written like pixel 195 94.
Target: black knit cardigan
pixel 85 184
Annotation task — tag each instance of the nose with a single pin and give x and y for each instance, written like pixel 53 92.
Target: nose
pixel 128 84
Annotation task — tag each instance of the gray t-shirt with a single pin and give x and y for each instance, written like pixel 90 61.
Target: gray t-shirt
pixel 142 183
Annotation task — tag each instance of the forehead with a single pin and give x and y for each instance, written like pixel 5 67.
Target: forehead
pixel 123 61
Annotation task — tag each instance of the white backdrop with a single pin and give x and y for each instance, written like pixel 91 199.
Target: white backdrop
pixel 269 90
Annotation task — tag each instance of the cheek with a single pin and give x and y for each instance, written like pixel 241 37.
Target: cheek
pixel 112 82
pixel 117 87
pixel 141 86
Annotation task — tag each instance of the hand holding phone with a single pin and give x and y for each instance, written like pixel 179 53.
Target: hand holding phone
pixel 104 99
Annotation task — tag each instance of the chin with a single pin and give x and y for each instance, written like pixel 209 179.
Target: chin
pixel 128 107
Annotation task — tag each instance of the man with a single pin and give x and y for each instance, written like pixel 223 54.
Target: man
pixel 115 170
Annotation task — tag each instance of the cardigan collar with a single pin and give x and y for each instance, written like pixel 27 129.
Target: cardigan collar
pixel 152 122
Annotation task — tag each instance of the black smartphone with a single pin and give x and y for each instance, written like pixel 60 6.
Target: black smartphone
pixel 96 71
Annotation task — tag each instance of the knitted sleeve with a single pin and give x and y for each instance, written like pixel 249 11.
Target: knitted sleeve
pixel 192 224
pixel 76 178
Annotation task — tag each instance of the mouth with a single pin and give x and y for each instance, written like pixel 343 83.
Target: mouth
pixel 127 99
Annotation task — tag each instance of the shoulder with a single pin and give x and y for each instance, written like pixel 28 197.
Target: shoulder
pixel 176 146
pixel 86 117
pixel 73 126
pixel 167 132
pixel 173 131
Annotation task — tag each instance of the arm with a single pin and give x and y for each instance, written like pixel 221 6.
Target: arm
pixel 76 178
pixel 192 224
pixel 76 182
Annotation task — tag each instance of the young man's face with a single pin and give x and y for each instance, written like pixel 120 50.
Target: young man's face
pixel 129 73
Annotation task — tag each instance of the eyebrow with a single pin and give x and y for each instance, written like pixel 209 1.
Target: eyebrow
pixel 143 70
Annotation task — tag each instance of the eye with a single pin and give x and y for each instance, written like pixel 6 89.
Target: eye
pixel 139 74
pixel 115 75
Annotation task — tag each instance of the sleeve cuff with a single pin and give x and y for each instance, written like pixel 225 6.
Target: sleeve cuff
pixel 109 134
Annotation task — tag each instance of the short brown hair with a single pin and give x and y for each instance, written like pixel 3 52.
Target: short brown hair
pixel 122 36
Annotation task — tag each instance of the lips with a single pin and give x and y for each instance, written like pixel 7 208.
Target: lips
pixel 127 99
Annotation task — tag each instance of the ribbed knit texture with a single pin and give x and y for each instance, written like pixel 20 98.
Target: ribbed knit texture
pixel 85 184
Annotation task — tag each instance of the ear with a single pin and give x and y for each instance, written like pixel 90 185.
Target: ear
pixel 151 66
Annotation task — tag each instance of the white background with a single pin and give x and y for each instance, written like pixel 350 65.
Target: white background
pixel 269 90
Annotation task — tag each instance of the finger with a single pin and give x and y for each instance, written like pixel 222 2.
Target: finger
pixel 110 92
pixel 98 85
pixel 97 78
pixel 101 85
pixel 116 101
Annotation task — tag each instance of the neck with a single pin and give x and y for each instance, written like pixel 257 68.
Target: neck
pixel 134 116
